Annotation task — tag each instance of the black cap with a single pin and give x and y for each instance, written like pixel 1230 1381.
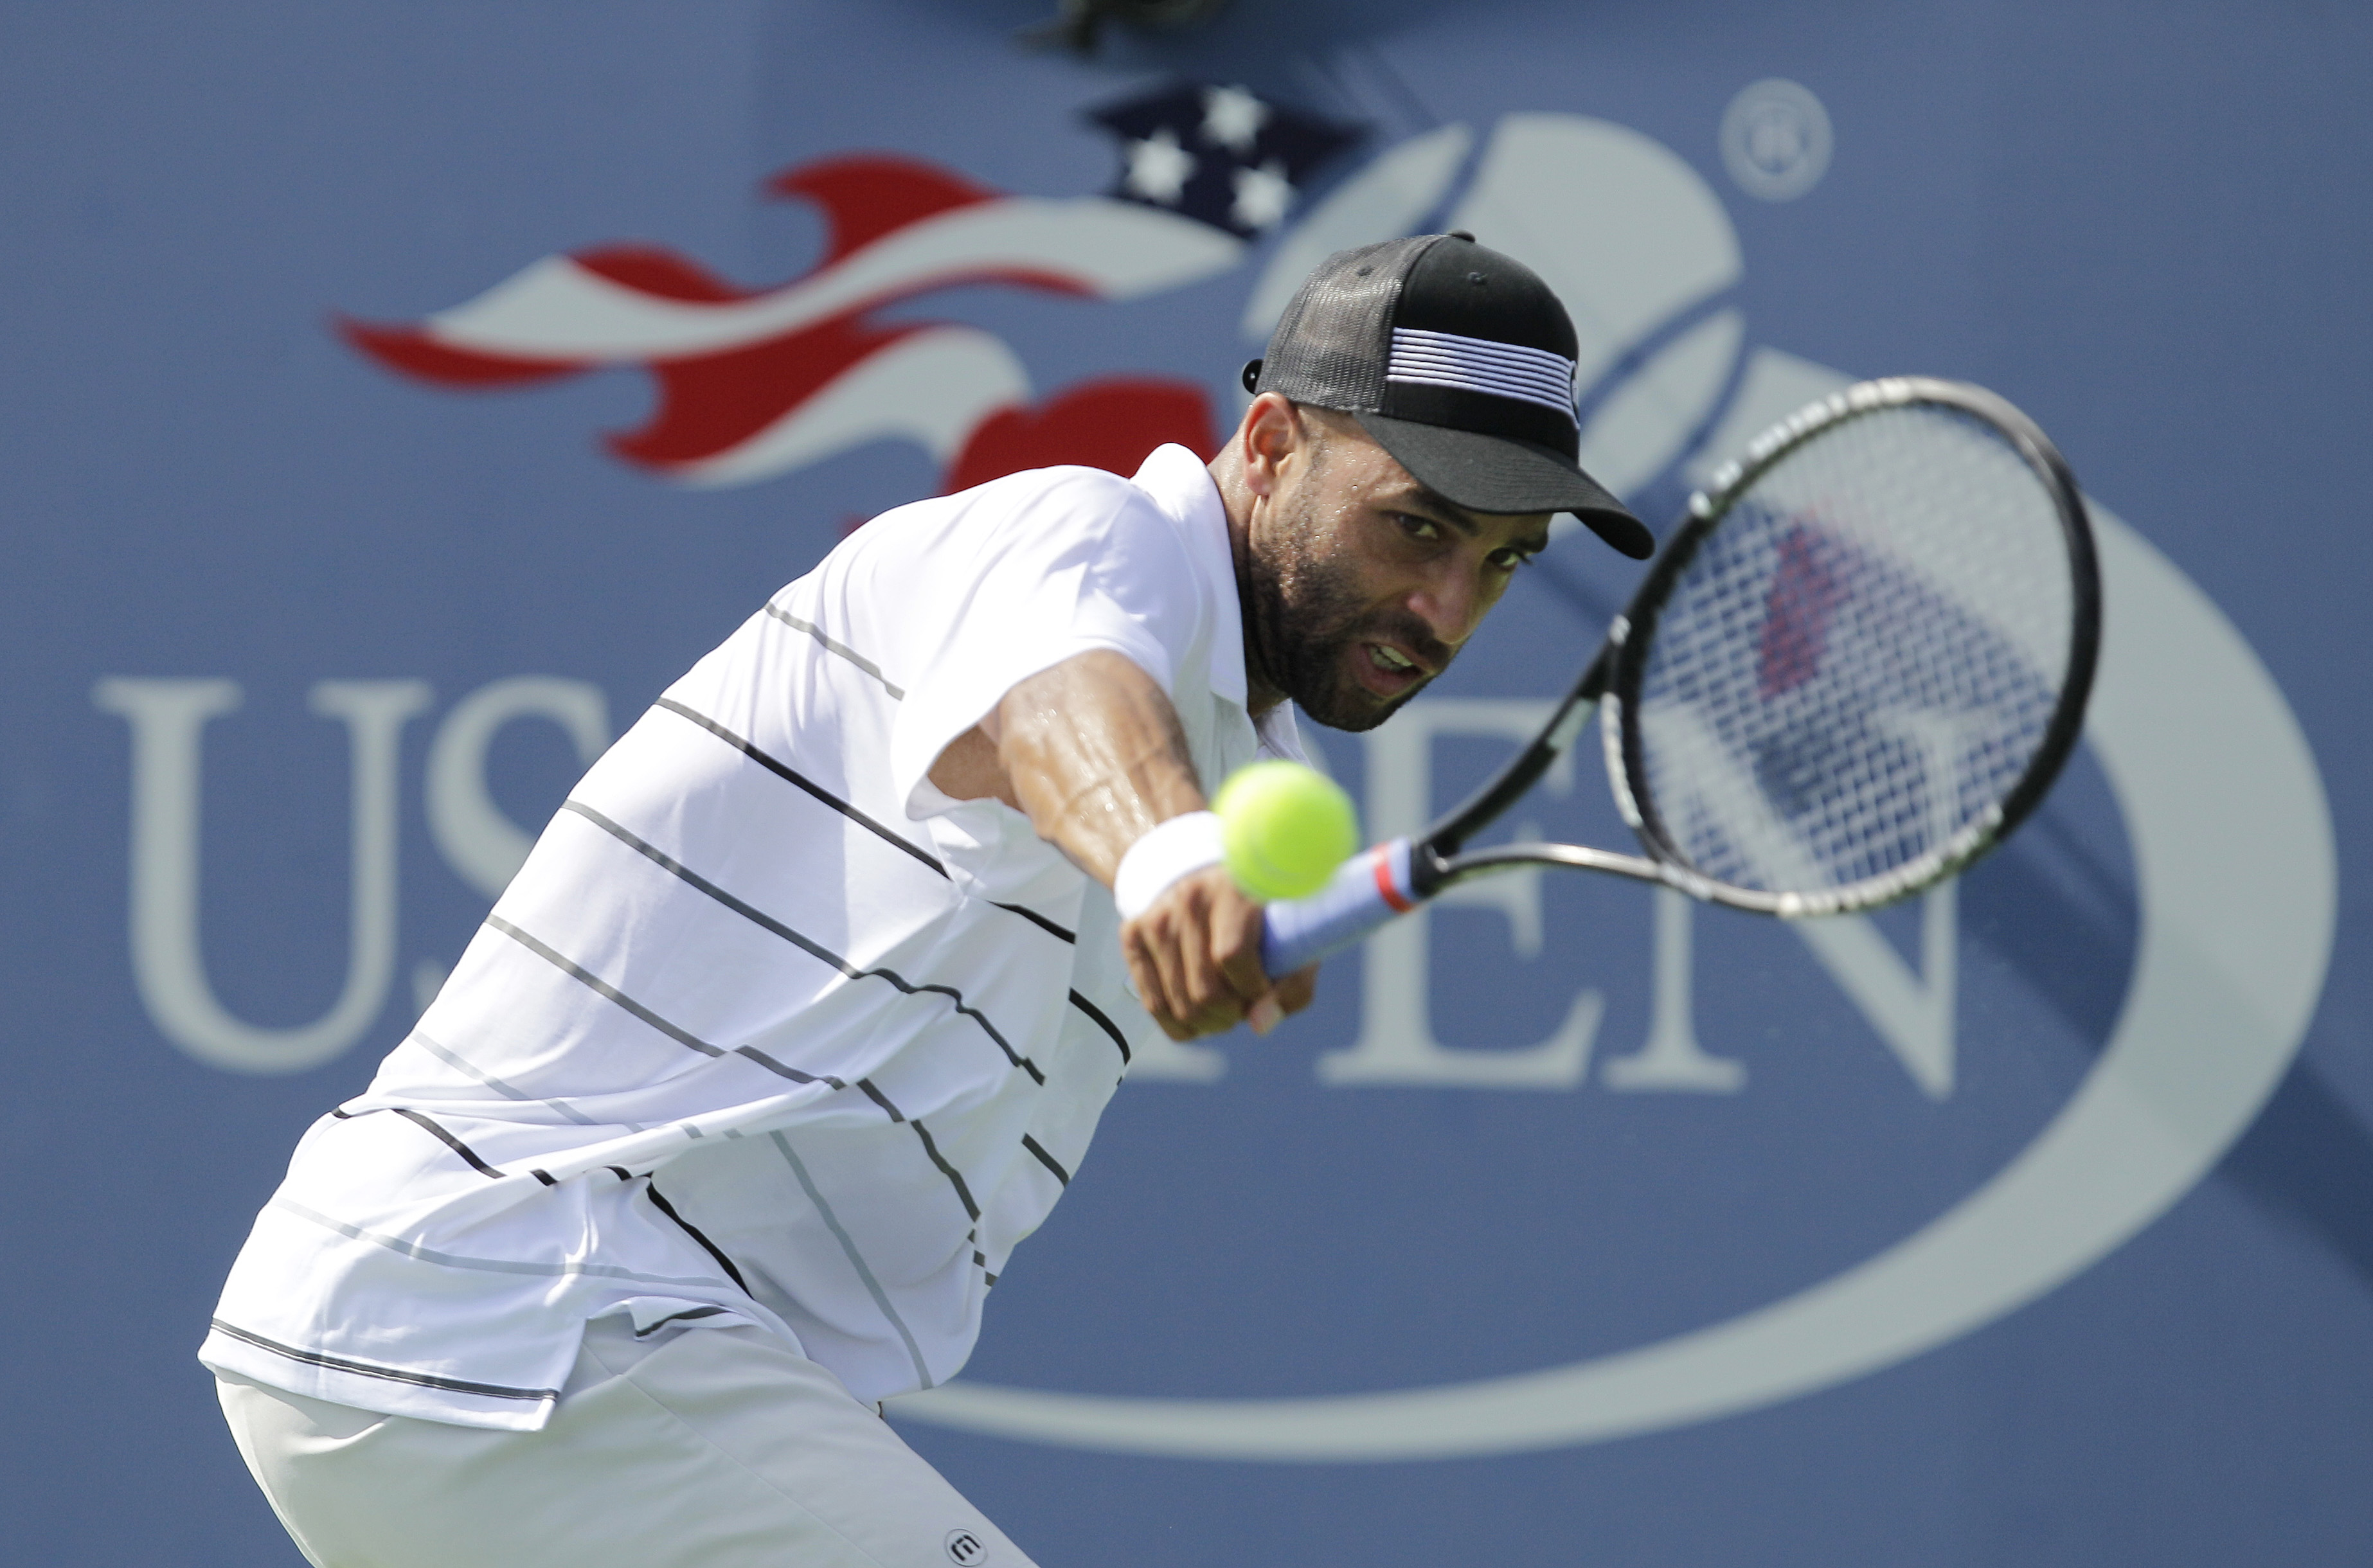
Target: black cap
pixel 1460 362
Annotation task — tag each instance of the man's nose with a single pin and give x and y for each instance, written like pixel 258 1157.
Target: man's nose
pixel 1449 603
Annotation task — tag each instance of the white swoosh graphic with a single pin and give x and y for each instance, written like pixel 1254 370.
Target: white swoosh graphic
pixel 934 388
pixel 556 309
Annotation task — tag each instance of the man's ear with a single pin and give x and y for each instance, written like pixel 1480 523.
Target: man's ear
pixel 1271 433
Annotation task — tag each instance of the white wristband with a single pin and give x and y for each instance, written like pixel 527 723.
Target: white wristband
pixel 1182 844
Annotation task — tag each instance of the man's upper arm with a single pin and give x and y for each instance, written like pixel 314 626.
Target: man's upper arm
pixel 1090 564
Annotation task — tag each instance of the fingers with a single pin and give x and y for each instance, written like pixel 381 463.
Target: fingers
pixel 1203 999
pixel 1236 945
pixel 1145 974
pixel 1290 996
pixel 1159 947
pixel 1195 958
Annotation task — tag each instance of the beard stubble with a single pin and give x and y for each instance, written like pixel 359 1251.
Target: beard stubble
pixel 1307 612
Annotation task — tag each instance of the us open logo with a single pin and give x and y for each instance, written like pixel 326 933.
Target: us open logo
pixel 1494 1158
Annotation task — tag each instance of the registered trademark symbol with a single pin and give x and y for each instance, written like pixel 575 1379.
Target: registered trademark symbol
pixel 1775 139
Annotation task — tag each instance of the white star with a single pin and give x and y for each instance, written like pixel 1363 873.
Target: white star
pixel 1231 117
pixel 1158 168
pixel 1262 196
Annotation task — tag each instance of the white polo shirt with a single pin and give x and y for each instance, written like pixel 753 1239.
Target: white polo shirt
pixel 767 1029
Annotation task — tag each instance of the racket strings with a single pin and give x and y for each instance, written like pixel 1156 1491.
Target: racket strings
pixel 1862 660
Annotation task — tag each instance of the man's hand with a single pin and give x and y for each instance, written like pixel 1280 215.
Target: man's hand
pixel 1091 751
pixel 1195 955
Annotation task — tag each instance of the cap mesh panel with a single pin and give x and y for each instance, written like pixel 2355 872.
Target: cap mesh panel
pixel 1332 344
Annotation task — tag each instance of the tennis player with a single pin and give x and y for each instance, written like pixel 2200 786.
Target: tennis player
pixel 800 1015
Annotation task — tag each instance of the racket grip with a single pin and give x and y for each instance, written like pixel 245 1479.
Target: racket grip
pixel 1371 887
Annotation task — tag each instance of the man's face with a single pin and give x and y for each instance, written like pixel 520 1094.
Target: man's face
pixel 1364 583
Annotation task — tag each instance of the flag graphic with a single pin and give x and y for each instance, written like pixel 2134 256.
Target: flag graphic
pixel 757 383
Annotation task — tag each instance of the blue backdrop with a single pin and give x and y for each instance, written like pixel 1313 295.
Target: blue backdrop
pixel 2031 1223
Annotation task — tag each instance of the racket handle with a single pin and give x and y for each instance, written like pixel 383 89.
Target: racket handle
pixel 1371 887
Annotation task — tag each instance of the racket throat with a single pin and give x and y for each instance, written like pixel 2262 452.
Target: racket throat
pixel 1442 841
pixel 1428 870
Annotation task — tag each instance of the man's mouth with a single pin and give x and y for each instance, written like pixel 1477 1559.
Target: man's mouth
pixel 1385 670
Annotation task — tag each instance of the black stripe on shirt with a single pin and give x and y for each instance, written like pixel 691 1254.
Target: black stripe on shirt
pixel 785 771
pixel 1041 922
pixel 759 917
pixel 842 649
pixel 603 988
pixel 896 840
pixel 447 1138
pixel 964 1193
pixel 956 1178
pixel 1106 1024
pixel 786 1069
pixel 664 1207
pixel 393 1374
pixel 1045 1159
pixel 685 1316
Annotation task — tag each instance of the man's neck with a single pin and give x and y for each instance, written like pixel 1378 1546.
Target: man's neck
pixel 1261 694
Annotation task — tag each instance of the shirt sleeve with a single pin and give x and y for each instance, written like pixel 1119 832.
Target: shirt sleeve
pixel 1086 563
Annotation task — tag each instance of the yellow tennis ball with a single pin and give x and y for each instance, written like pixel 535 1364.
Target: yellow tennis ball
pixel 1286 827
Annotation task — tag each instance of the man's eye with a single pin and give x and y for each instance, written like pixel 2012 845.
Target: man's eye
pixel 1424 528
pixel 1509 560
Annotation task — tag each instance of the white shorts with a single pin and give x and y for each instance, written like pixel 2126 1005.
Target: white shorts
pixel 704 1448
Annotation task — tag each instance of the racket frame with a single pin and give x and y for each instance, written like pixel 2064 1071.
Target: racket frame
pixel 1612 685
pixel 1394 877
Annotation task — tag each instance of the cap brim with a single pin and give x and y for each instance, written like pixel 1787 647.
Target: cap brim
pixel 1493 473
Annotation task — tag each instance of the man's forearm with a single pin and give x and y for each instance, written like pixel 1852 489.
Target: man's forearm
pixel 1091 751
pixel 1093 755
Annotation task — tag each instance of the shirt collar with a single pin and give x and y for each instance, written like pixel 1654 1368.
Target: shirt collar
pixel 1180 483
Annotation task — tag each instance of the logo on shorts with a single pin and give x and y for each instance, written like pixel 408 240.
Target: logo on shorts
pixel 965 1548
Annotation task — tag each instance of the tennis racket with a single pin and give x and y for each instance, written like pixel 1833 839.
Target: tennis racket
pixel 1858 664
